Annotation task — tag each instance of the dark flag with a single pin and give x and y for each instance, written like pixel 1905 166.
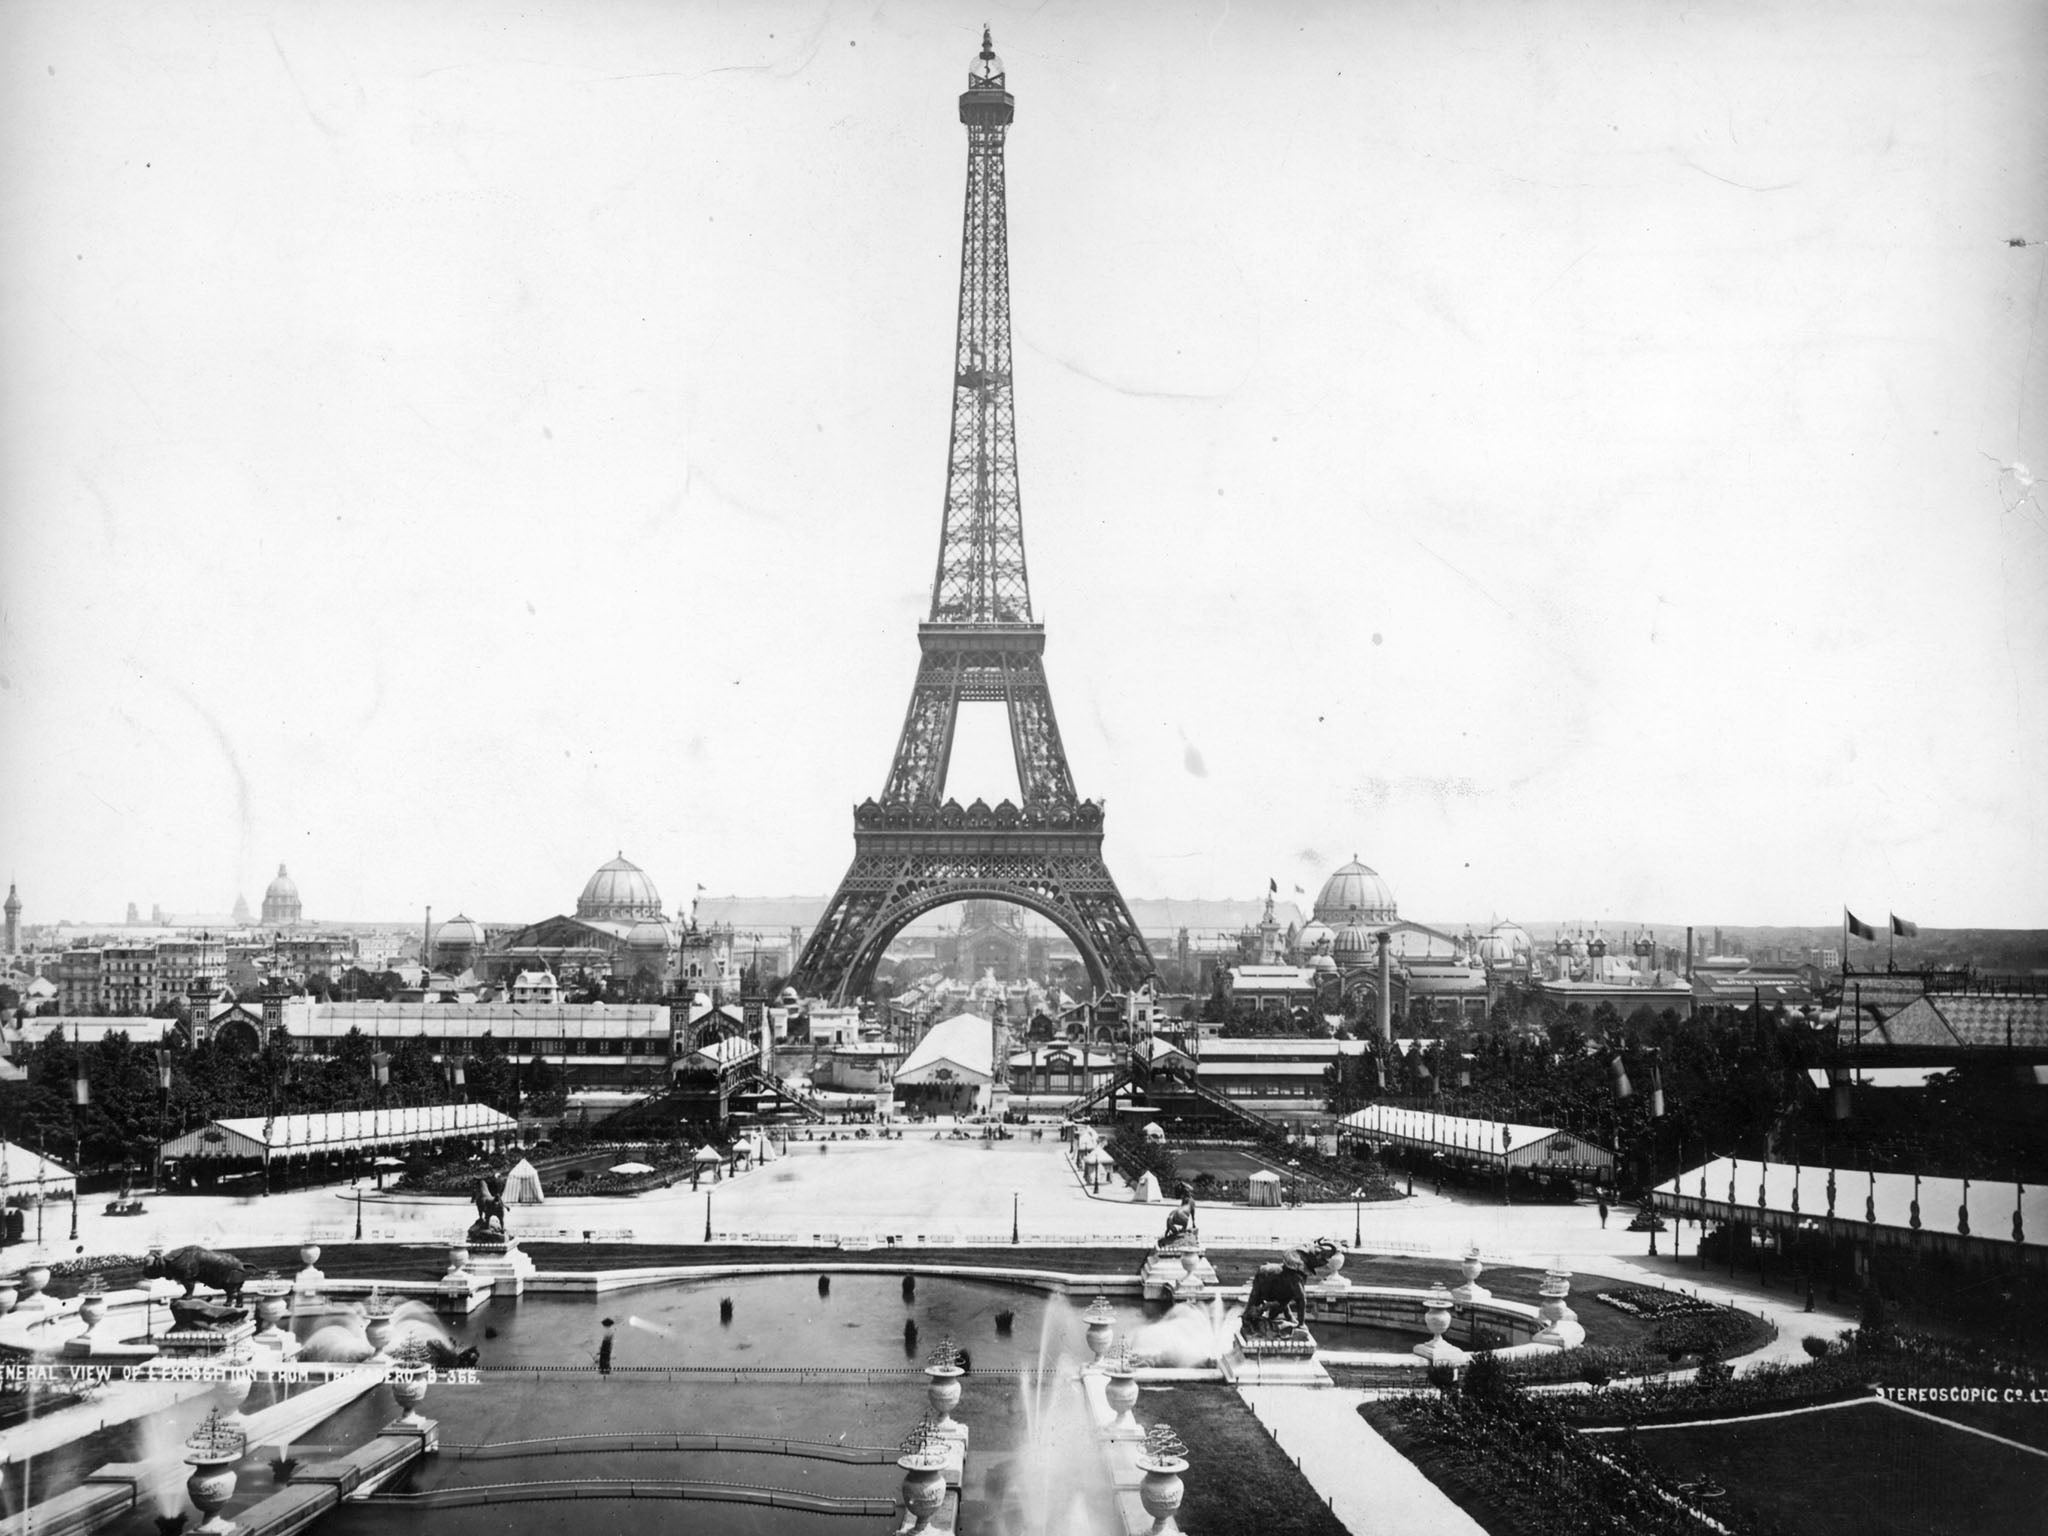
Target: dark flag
pixel 1903 929
pixel 1859 928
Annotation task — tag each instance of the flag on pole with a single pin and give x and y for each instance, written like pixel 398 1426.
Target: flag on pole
pixel 1861 929
pixel 1904 929
pixel 1272 886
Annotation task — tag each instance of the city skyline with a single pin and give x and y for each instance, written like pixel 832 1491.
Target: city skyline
pixel 1558 456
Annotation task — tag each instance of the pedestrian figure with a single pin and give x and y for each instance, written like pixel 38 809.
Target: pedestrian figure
pixel 1603 1214
pixel 604 1350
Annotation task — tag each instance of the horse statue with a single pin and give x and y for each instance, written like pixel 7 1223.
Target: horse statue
pixel 489 1200
pixel 1180 1222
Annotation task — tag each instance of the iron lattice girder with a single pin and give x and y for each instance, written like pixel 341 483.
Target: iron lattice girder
pixel 981 574
pixel 907 862
pixel 980 664
pixel 913 851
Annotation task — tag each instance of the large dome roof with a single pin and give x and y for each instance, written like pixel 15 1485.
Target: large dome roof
pixel 281 900
pixel 619 893
pixel 459 932
pixel 1355 894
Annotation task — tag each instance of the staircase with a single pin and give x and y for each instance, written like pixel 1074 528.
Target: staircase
pixel 763 1082
pixel 1093 1097
pixel 1174 1084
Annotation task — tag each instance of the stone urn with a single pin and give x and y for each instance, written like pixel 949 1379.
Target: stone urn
pixel 1471 1268
pixel 377 1309
pixel 1436 1317
pixel 1557 1285
pixel 1190 1262
pixel 1436 1311
pixel 35 1274
pixel 1121 1393
pixel 1101 1321
pixel 923 1461
pixel 407 1380
pixel 10 1289
pixel 211 1453
pixel 458 1257
pixel 92 1302
pixel 1162 1461
pixel 271 1295
pixel 1332 1271
pixel 309 1254
pixel 943 1393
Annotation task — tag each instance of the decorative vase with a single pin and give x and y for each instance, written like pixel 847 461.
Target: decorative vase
pixel 34 1276
pixel 309 1254
pixel 408 1385
pixel 1121 1393
pixel 924 1490
pixel 458 1257
pixel 1161 1491
pixel 1436 1312
pixel 91 1309
pixel 211 1453
pixel 944 1395
pixel 1099 1336
pixel 10 1289
pixel 210 1486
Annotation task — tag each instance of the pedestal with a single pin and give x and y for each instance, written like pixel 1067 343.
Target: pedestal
pixel 1175 1275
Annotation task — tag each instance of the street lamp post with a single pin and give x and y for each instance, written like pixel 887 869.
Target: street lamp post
pixel 359 1207
pixel 707 1215
pixel 1357 1230
pixel 1013 1218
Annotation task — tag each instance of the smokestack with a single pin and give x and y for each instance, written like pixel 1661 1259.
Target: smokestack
pixel 427 944
pixel 1386 1008
pixel 1688 951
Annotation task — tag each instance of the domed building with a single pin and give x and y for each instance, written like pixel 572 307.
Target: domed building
pixel 619 937
pixel 458 945
pixel 281 907
pixel 1355 895
pixel 619 892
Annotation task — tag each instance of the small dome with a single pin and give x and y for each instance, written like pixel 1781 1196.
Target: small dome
pixel 1355 894
pixel 649 933
pixel 1315 936
pixel 282 886
pixel 1323 963
pixel 1353 945
pixel 619 893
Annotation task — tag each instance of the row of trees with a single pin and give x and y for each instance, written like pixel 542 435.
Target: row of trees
pixel 128 1109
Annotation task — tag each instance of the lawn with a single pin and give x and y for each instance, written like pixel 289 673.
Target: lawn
pixel 1864 1470
pixel 1223 1162
pixel 1237 1478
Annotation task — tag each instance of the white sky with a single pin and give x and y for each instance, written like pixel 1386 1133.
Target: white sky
pixel 1550 450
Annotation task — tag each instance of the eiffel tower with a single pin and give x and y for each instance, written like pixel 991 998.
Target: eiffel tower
pixel 913 850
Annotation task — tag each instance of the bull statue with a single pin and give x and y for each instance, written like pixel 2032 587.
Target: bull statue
pixel 192 1265
pixel 1277 1304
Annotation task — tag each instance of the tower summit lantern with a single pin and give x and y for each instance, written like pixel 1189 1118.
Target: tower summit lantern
pixel 913 849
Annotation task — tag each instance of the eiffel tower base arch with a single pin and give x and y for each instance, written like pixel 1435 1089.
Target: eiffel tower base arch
pixel 909 860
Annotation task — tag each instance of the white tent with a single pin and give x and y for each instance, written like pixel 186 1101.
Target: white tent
pixel 1154 1131
pixel 1265 1187
pixel 522 1184
pixel 1146 1191
pixel 29 1172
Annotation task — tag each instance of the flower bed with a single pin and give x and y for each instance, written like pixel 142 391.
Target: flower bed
pixel 1649 1302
